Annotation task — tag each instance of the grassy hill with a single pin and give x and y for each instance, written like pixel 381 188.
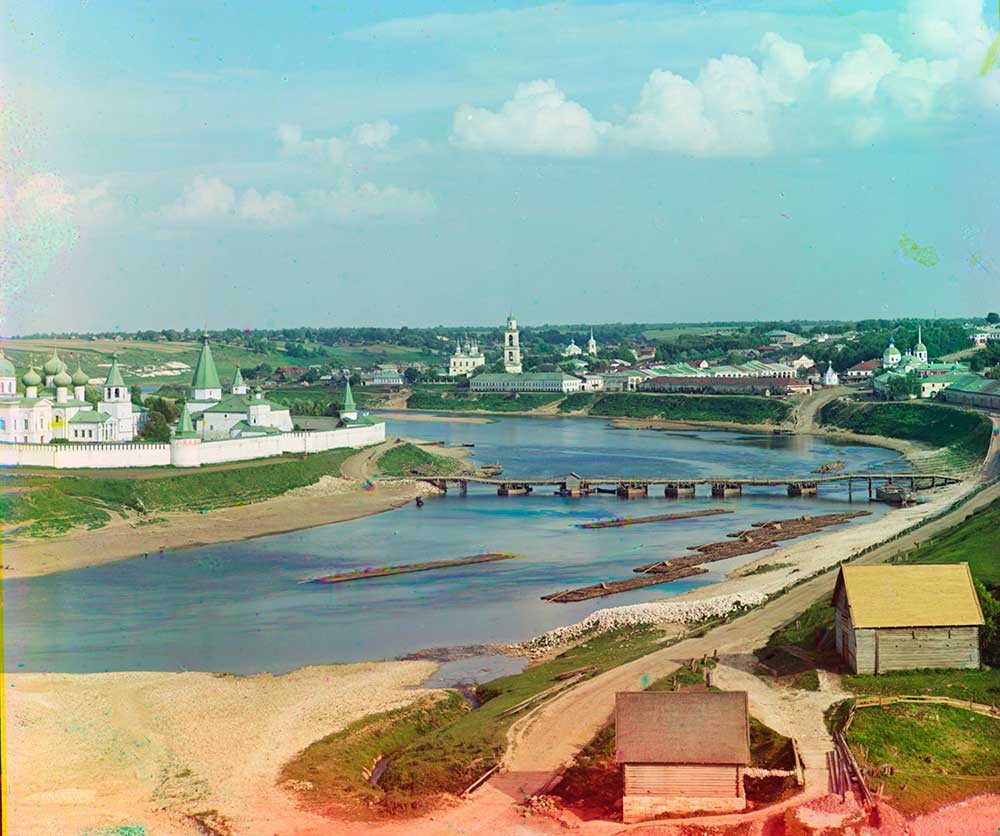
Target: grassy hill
pixel 409 460
pixel 45 505
pixel 964 435
pixel 483 401
pixel 736 409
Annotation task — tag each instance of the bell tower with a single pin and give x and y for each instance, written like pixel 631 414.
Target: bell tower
pixel 512 347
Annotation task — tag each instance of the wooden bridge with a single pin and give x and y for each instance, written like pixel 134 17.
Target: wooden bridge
pixel 629 487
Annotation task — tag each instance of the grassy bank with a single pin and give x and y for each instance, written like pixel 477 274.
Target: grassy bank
pixel 938 754
pixel 982 686
pixel 451 755
pixel 974 541
pixel 338 767
pixel 409 460
pixel 578 401
pixel 964 435
pixel 735 409
pixel 483 401
pixel 41 505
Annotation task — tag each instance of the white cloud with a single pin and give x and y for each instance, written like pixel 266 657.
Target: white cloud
pixel 858 72
pixel 366 136
pixel 349 203
pixel 203 199
pixel 374 134
pixel 273 209
pixel 539 119
pixel 949 28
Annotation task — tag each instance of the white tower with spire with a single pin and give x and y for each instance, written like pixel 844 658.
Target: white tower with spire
pixel 920 350
pixel 512 347
pixel 592 344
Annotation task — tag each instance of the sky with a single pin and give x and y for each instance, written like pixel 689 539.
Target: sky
pixel 258 164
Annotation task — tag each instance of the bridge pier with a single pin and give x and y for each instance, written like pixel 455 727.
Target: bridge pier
pixel 802 489
pixel 632 490
pixel 723 490
pixel 463 488
pixel 514 489
pixel 679 490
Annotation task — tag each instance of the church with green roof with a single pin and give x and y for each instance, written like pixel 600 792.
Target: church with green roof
pixel 53 405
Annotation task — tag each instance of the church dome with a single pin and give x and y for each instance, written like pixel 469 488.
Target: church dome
pixel 53 365
pixel 62 379
pixel 892 351
pixel 921 347
pixel 80 377
pixel 6 367
pixel 31 378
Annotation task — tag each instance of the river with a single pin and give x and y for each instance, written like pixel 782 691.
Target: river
pixel 238 607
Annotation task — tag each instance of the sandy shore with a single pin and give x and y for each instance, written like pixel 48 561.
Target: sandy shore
pixel 413 415
pixel 92 751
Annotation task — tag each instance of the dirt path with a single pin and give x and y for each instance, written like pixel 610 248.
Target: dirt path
pixel 547 739
pixel 809 407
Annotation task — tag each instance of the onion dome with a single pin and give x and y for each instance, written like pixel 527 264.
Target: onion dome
pixel 62 380
pixel 80 377
pixel 53 365
pixel 31 378
pixel 6 367
pixel 892 350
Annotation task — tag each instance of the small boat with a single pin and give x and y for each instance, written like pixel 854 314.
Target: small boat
pixel 895 495
pixel 491 469
pixel 385 571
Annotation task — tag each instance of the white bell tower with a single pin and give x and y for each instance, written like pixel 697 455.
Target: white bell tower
pixel 512 347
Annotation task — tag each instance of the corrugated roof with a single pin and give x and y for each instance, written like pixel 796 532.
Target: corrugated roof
pixel 682 727
pixel 923 595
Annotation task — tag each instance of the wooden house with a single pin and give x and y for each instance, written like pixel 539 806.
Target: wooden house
pixel 892 618
pixel 681 751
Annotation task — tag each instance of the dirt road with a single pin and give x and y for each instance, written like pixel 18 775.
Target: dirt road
pixel 808 409
pixel 547 739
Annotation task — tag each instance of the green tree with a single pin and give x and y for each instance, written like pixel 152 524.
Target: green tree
pixel 412 375
pixel 155 430
pixel 989 635
pixel 993 317
pixel 903 388
pixel 168 410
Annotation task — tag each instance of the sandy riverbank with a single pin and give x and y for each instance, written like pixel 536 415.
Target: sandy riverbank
pixel 92 751
pixel 451 418
pixel 330 500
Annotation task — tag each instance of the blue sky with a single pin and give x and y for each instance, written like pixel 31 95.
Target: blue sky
pixel 262 164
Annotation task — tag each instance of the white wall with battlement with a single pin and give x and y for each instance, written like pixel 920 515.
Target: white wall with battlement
pixel 186 452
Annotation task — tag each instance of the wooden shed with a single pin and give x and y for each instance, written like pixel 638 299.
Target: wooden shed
pixel 681 751
pixel 894 618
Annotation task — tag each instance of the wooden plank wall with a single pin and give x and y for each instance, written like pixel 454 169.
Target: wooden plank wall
pixel 697 781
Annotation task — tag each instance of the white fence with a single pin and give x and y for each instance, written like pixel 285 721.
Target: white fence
pixel 209 452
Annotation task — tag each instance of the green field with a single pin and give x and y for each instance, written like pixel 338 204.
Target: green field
pixel 578 401
pixel 939 754
pixel 965 435
pixel 671 334
pixel 736 409
pixel 42 505
pixel 975 541
pixel 409 460
pixel 481 401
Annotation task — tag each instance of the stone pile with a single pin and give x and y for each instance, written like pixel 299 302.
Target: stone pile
pixel 640 615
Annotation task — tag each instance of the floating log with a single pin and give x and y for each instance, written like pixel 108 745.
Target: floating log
pixel 619 522
pixel 384 571
pixel 600 590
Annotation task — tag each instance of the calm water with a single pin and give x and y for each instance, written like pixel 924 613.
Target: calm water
pixel 238 607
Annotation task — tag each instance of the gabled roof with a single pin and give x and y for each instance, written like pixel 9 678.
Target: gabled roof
pixel 205 375
pixel 185 429
pixel 919 595
pixel 230 403
pixel 89 417
pixel 671 727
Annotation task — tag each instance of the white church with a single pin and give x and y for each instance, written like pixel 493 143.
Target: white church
pixel 214 427
pixel 55 407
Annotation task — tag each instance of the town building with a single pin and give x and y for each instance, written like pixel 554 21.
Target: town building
pixel 974 390
pixel 863 370
pixel 466 359
pixel 681 751
pixel 784 339
pixel 803 361
pixel 388 376
pixel 646 352
pixel 985 335
pixel 830 376
pixel 512 347
pixel 592 344
pixel 54 407
pixel 526 382
pixel 767 387
pixel 623 380
pixel 891 618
